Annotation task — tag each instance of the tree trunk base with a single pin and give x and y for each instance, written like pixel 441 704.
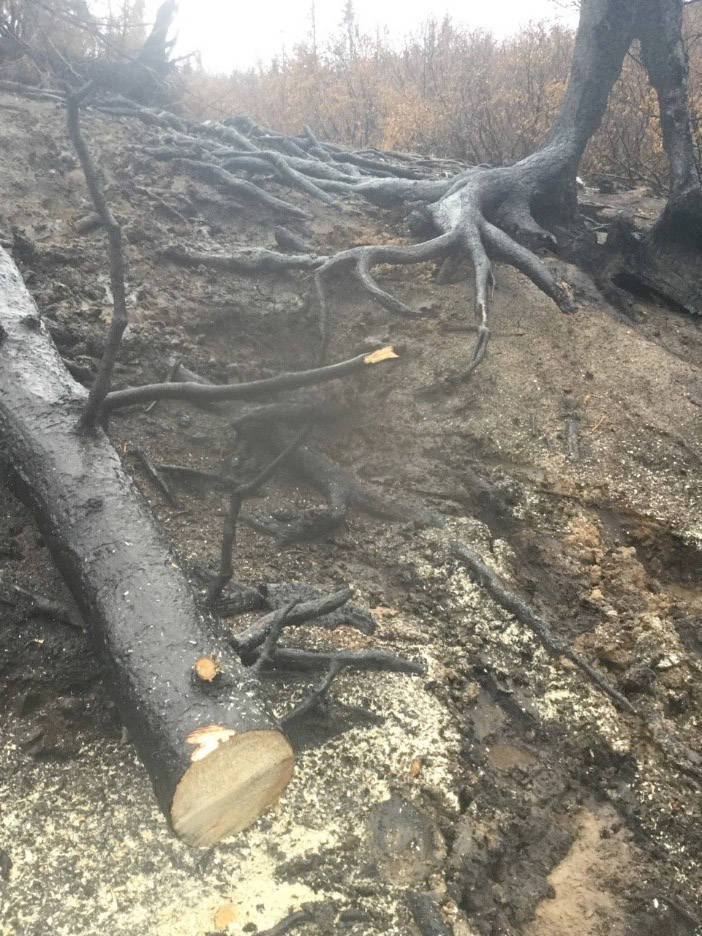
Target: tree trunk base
pixel 662 266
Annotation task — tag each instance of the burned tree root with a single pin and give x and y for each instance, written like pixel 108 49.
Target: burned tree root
pixel 258 644
pixel 342 490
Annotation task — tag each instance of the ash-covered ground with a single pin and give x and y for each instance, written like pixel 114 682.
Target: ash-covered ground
pixel 503 781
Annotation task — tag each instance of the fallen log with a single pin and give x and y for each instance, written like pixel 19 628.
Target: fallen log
pixel 215 757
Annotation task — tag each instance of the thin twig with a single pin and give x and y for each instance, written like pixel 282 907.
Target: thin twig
pixel 303 611
pixel 154 474
pixel 198 393
pixel 103 380
pixel 490 581
pixel 236 498
pixel 211 479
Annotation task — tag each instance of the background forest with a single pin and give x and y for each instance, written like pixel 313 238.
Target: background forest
pixel 447 90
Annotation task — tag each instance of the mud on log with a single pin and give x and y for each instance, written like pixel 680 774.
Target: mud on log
pixel 215 757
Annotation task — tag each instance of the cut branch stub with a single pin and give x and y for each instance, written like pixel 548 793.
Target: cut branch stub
pixel 207 668
pixel 215 757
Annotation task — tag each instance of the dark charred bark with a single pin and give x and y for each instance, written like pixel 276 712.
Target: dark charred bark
pixel 215 757
pixel 667 263
pixel 663 264
pixel 199 392
pixel 605 32
pixel 427 915
pixel 663 53
pixel 155 51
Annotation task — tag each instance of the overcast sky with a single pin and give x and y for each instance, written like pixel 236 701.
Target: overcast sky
pixel 232 34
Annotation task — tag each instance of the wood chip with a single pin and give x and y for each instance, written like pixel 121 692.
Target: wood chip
pixel 415 768
pixel 224 916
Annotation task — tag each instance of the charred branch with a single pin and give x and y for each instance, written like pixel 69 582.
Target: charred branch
pixel 270 596
pixel 294 614
pixel 236 498
pixel 295 658
pixel 495 587
pixel 426 914
pixel 199 393
pixel 103 379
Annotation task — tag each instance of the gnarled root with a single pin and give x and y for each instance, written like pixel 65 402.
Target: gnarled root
pixel 342 490
pixel 482 214
pixel 258 644
pixel 469 219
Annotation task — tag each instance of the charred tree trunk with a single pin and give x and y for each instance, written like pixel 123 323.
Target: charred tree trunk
pixel 663 53
pixel 605 31
pixel 154 52
pixel 667 262
pixel 215 757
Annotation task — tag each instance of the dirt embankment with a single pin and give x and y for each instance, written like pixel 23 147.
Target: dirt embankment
pixel 503 781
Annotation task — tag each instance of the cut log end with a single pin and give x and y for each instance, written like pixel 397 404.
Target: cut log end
pixel 232 779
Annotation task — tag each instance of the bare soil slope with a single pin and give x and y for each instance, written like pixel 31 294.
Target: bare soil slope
pixel 503 781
